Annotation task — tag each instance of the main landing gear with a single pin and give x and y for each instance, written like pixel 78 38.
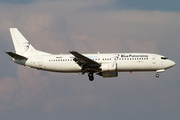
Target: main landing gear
pixel 90 75
pixel 157 75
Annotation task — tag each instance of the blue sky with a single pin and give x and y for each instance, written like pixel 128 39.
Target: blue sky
pixel 89 26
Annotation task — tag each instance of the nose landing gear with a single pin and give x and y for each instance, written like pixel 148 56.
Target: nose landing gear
pixel 159 71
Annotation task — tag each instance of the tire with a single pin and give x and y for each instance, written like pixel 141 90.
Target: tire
pixel 157 75
pixel 91 78
pixel 90 74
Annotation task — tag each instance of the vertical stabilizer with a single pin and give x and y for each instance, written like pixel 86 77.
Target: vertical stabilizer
pixel 22 46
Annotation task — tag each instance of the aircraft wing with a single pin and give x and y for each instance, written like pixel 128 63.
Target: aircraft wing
pixel 84 61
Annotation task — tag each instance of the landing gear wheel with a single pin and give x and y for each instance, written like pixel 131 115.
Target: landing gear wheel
pixel 90 75
pixel 157 75
pixel 91 78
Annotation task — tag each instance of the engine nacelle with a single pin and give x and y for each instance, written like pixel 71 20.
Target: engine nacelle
pixel 108 67
pixel 108 74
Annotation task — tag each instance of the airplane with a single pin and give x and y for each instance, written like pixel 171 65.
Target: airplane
pixel 106 65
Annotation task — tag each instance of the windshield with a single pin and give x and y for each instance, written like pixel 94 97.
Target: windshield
pixel 164 58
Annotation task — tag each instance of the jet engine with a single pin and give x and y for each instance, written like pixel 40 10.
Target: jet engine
pixel 108 67
pixel 108 74
pixel 108 70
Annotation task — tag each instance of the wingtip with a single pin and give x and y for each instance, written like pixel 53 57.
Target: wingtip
pixel 72 51
pixel 7 51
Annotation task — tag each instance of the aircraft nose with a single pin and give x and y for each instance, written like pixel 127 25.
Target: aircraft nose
pixel 172 63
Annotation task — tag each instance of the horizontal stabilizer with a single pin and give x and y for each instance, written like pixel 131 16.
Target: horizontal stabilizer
pixel 16 56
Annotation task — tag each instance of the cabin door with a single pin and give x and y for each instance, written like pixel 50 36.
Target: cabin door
pixel 154 59
pixel 40 62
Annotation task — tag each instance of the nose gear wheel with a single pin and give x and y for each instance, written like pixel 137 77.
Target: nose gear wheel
pixel 157 75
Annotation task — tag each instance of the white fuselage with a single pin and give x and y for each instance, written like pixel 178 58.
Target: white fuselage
pixel 123 61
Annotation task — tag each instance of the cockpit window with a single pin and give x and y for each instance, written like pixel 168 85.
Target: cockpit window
pixel 164 58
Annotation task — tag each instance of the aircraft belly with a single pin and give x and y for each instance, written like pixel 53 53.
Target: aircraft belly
pixel 63 67
pixel 68 68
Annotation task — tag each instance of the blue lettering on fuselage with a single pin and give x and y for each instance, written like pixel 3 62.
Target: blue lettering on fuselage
pixel 134 55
